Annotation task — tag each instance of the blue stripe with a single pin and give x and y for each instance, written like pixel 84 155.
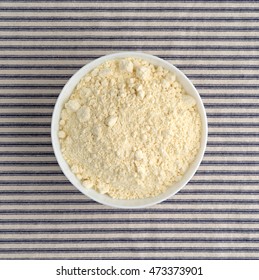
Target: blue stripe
pixel 32 173
pixel 223 172
pixel 43 66
pixel 22 154
pixel 234 105
pixel 229 95
pixel 33 76
pixel 130 230
pixel 129 249
pixel 122 47
pixel 228 173
pixel 126 48
pixel 28 163
pixel 235 125
pixel 131 28
pixel 28 96
pixel 232 134
pixel 23 115
pixel 129 19
pixel 126 240
pixel 25 134
pixel 37 124
pixel 47 57
pixel 27 105
pixel 130 9
pixel 231 86
pixel 36 86
pixel 36 183
pixel 128 220
pixel 233 115
pixel 26 144
pixel 208 163
pixel 130 38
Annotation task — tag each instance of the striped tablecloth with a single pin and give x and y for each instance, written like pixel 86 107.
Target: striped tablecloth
pixel 215 43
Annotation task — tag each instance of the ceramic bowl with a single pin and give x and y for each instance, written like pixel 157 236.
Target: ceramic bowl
pixel 103 198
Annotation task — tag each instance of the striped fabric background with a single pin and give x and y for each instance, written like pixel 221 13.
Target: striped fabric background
pixel 42 216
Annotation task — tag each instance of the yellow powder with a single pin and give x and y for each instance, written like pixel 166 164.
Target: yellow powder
pixel 129 130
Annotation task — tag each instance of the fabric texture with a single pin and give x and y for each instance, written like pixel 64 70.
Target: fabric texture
pixel 215 43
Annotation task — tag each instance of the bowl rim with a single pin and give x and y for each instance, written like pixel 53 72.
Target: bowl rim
pixel 104 199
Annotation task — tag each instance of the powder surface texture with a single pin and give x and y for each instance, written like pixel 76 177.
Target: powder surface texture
pixel 129 130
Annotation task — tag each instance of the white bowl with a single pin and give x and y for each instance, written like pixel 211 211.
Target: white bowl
pixel 105 199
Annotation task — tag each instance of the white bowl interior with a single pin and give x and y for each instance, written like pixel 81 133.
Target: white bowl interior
pixel 105 199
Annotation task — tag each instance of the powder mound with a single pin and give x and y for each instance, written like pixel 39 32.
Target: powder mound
pixel 129 129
